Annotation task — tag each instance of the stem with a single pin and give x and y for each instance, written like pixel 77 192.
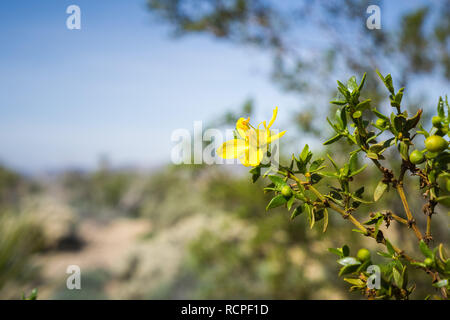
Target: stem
pixel 429 211
pixel 401 193
pixel 343 213
pixel 398 218
pixel 428 232
pixel 399 185
pixel 411 220
pixel 402 254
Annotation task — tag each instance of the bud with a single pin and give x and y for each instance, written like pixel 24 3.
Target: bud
pixel 416 157
pixel 435 143
pixel 286 191
pixel 363 255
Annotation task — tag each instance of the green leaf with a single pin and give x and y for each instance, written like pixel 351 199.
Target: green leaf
pixel 348 261
pixel 353 162
pixel 301 166
pixel 412 122
pixel 425 250
pixel 372 155
pixel 276 202
pixel 440 108
pixel 335 127
pixel 33 295
pixel 388 83
pixel 304 153
pixel 363 80
pixel 379 190
pixel 311 216
pixel 399 96
pixel 374 219
pixel 399 122
pixel 334 163
pixel 354 173
pixel 338 102
pixel 325 220
pixel 398 279
pixel 329 174
pixel 299 195
pixel 377 148
pixel 316 177
pixel 380 115
pixel 339 119
pixel 333 139
pixel 377 227
pixel 351 84
pixel 256 173
pixel 441 284
pixel 404 277
pixel 403 149
pixel 442 254
pixel 343 89
pixel 343 116
pixel 345 250
pixel 348 269
pixel 337 251
pixel 290 202
pixel 379 75
pixel 384 254
pixel 278 181
pixel 356 198
pixel 363 105
pixel 297 211
pixel 355 282
pixel 445 200
pixel 316 164
pixel 419 264
pixel 390 248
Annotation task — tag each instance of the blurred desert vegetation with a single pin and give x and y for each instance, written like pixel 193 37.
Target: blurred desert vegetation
pixel 202 231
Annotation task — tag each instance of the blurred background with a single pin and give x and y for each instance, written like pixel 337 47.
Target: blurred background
pixel 85 132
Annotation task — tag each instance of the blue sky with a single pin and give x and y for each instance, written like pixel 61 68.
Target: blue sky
pixel 119 86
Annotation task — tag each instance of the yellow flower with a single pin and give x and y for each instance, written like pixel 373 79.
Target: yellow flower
pixel 252 143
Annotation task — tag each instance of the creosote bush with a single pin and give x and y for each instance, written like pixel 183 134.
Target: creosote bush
pixel 299 185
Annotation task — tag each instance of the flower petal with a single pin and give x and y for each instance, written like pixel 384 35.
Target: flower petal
pixel 275 136
pixel 274 116
pixel 252 157
pixel 232 149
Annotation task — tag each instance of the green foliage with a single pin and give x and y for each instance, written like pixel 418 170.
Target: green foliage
pixel 21 236
pixel 33 295
pixel 372 141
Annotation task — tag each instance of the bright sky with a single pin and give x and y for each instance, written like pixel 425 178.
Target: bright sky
pixel 119 86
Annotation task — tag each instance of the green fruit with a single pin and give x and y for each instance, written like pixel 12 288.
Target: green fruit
pixel 435 144
pixel 363 255
pixel 447 184
pixel 381 122
pixel 428 262
pixel 286 191
pixel 436 121
pixel 416 157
